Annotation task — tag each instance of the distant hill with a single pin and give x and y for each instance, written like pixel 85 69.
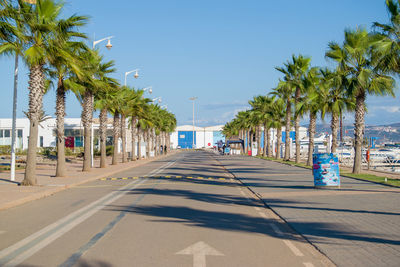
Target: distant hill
pixel 385 133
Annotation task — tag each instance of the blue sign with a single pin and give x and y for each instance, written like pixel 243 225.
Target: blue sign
pixel 326 170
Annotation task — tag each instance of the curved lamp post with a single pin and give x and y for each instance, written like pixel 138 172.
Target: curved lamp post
pixel 193 99
pixel 158 99
pixel 108 46
pixel 136 75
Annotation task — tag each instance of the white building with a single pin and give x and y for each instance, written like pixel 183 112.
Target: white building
pixel 47 133
pixel 203 136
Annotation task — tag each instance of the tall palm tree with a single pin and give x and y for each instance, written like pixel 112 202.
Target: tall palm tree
pixel 355 57
pixel 40 23
pixel 284 91
pixel 63 59
pixel 261 106
pixel 311 103
pixel 294 72
pixel 138 106
pixel 277 115
pixel 334 99
pixel 108 89
pixel 387 40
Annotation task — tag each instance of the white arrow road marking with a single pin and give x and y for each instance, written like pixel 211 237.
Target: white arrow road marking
pixel 199 251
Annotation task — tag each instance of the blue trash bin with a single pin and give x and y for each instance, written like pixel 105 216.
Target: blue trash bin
pixel 326 170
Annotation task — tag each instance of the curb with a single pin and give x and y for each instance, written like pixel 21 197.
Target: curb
pixel 50 192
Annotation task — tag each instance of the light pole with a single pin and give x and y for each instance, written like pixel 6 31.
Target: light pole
pixel 149 88
pixel 193 99
pixel 108 46
pixel 158 99
pixel 136 75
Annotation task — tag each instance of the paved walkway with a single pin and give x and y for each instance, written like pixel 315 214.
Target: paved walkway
pixel 11 194
pixel 357 225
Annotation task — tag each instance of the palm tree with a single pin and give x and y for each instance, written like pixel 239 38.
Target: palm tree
pixel 294 71
pixel 387 40
pixel 40 23
pixel 355 57
pixel 137 108
pixel 284 91
pixel 277 114
pixel 104 102
pixel 261 106
pixel 334 99
pixel 311 103
pixel 63 59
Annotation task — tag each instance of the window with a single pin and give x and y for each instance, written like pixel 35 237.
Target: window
pixel 7 133
pixel 41 141
pixel 1 133
pixel 19 133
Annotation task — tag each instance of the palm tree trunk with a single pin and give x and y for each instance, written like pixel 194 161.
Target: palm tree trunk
pixel 334 128
pixel 148 143
pixel 266 141
pixel 139 133
pixel 278 142
pixel 269 146
pixel 297 126
pixel 258 139
pixel 287 130
pixel 60 114
pixel 123 137
pixel 36 91
pixel 133 129
pixel 311 135
pixel 116 127
pixel 359 132
pixel 103 138
pixel 87 116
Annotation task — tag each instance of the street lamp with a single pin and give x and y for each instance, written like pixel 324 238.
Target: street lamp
pixel 136 75
pixel 108 46
pixel 150 89
pixel 193 99
pixel 158 99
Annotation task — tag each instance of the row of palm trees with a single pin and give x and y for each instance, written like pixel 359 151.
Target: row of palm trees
pixel 54 50
pixel 366 63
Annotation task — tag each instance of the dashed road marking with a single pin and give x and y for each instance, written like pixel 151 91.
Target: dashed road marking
pixel 276 229
pixel 2 232
pixel 257 208
pixel 308 264
pixel 293 248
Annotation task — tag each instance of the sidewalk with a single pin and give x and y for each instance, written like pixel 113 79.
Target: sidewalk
pixel 357 225
pixel 11 194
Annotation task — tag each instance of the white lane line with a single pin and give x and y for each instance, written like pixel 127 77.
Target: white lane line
pixel 276 229
pixel 2 232
pixel 257 208
pixel 25 248
pixel 308 264
pixel 293 248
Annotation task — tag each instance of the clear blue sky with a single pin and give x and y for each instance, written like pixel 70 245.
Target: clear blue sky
pixel 222 51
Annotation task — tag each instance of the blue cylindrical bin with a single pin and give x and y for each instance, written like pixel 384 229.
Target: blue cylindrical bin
pixel 326 170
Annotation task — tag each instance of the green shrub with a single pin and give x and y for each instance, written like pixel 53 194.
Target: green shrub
pixel 109 150
pixel 5 150
pixel 47 151
pixel 69 152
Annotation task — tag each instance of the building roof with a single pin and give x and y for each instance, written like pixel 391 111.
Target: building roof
pixel 188 128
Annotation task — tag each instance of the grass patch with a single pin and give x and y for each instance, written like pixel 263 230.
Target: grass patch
pixel 361 176
pixel 373 178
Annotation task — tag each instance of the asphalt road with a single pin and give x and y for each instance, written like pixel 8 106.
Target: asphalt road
pixel 183 210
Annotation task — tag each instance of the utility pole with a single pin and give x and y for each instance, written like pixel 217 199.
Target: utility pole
pixel 193 99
